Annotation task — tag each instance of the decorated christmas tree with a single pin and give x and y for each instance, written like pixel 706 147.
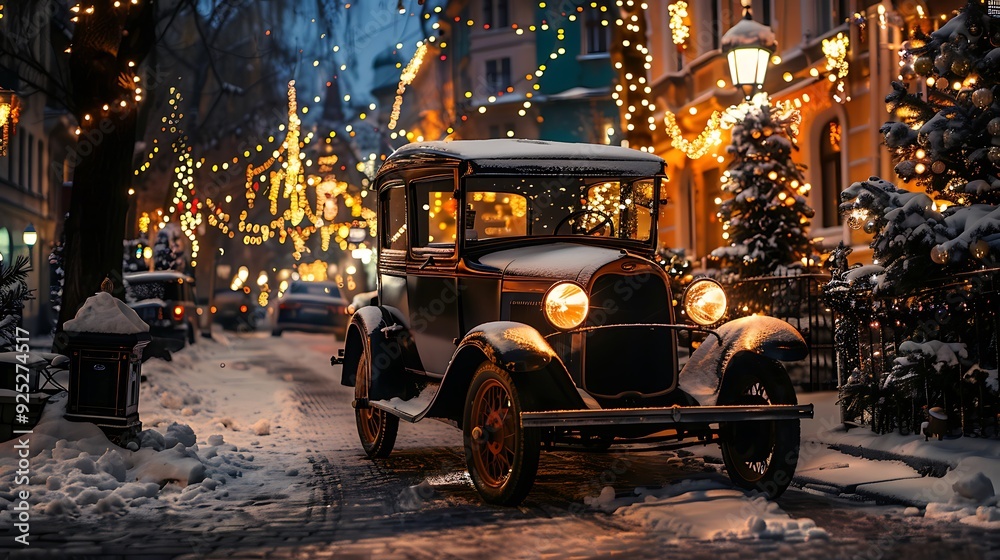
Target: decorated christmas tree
pixel 929 295
pixel 767 219
pixel 946 145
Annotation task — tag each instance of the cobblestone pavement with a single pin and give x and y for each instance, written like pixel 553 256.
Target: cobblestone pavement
pixel 357 508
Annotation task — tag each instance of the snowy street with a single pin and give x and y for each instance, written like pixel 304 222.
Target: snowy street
pixel 279 472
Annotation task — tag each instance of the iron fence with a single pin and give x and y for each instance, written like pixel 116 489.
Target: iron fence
pixel 889 389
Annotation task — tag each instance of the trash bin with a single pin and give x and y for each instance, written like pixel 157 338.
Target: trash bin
pixel 104 345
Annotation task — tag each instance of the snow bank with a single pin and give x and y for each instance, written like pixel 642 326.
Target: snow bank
pixel 76 471
pixel 103 313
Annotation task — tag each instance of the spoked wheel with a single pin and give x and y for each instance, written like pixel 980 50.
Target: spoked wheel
pixel 760 455
pixel 376 428
pixel 502 456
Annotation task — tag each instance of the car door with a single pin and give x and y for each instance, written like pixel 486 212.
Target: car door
pixel 431 283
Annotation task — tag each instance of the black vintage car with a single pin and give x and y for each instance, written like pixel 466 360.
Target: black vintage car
pixel 518 300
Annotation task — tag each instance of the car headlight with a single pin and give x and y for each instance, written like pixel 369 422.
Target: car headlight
pixel 705 302
pixel 566 305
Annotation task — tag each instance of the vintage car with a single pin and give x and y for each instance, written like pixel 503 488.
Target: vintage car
pixel 518 300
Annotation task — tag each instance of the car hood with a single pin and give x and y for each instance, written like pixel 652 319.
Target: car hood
pixel 565 261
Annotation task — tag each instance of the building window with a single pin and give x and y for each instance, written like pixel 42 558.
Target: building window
pixel 716 25
pixel 496 14
pixel 498 75
pixel 41 168
pixel 829 14
pixel 5 246
pixel 761 11
pixel 30 185
pixel 596 30
pixel 831 173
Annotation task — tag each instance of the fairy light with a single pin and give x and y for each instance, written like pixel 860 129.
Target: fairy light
pixel 407 77
pixel 679 30
pixel 835 49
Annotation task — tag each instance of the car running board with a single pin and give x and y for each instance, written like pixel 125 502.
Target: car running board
pixel 665 415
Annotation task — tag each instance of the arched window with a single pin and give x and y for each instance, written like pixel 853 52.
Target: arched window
pixel 831 172
pixel 5 256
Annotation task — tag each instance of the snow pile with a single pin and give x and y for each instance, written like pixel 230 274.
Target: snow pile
pixel 75 471
pixel 706 510
pixel 974 482
pixel 103 313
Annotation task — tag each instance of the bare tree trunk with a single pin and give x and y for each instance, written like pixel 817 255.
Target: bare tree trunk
pixel 104 43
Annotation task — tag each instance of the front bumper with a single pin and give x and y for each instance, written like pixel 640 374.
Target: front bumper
pixel 665 416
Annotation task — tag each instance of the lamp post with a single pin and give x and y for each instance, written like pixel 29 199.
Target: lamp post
pixel 30 237
pixel 748 47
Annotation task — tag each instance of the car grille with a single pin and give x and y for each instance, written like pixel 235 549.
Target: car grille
pixel 629 359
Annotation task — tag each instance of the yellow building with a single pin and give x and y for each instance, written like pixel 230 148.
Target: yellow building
pixel 839 139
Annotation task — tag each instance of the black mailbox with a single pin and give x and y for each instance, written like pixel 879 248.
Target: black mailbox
pixel 104 382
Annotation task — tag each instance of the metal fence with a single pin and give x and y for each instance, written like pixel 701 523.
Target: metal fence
pixel 798 301
pixel 964 310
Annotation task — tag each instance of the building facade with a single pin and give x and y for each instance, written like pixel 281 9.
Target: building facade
pixel 839 140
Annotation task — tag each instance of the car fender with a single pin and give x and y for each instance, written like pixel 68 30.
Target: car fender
pixel 542 380
pixel 391 350
pixel 766 337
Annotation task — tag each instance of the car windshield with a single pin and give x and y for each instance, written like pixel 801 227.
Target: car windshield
pixel 505 207
pixel 314 289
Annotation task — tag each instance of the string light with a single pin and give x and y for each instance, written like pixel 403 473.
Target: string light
pixel 679 30
pixel 409 73
pixel 835 49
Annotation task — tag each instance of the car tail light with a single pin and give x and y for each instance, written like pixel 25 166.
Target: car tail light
pixel 289 306
pixel 178 312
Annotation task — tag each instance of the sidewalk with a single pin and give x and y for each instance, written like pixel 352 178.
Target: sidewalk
pixel 954 478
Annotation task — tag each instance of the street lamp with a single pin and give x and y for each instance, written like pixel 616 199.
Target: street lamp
pixel 30 236
pixel 748 46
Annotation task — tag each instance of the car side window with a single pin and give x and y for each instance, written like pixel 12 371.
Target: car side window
pixel 393 227
pixel 436 210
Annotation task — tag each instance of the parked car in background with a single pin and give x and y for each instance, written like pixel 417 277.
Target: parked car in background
pixel 311 307
pixel 519 300
pixel 235 310
pixel 165 300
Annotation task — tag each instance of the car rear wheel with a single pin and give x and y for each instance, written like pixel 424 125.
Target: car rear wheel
pixel 275 332
pixel 501 455
pixel 759 455
pixel 376 428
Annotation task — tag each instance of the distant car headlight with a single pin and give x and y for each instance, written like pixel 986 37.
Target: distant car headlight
pixel 566 305
pixel 705 302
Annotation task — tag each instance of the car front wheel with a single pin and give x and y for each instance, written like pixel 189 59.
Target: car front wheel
pixel 501 455
pixel 376 428
pixel 760 455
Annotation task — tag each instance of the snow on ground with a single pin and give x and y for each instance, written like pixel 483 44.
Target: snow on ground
pixel 706 510
pixel 967 492
pixel 211 434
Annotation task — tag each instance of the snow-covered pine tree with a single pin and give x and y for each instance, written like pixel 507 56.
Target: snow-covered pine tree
pixel 946 146
pixel 948 141
pixel 767 219
pixel 168 253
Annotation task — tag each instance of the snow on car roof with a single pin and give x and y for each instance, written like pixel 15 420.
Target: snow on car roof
pixel 157 276
pixel 520 155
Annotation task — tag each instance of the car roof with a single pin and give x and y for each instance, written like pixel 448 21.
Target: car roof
pixel 518 155
pixel 157 276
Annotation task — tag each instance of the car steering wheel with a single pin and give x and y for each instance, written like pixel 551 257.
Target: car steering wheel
pixel 605 221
